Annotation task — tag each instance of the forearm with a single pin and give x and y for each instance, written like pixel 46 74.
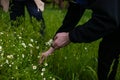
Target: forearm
pixel 74 13
pixel 95 28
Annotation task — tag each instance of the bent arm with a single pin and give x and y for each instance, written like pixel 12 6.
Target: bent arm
pixel 73 15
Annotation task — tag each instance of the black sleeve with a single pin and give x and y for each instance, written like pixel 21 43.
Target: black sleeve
pixel 96 28
pixel 73 15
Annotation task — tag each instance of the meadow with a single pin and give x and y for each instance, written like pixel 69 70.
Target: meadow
pixel 21 47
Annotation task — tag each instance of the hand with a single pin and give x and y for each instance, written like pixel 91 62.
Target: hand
pixel 40 4
pixel 61 40
pixel 46 54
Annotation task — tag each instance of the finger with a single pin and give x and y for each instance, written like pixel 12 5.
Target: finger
pixel 46 54
pixel 42 59
pixel 55 44
pixel 55 37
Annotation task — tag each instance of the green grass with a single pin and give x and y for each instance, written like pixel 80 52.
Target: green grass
pixel 20 49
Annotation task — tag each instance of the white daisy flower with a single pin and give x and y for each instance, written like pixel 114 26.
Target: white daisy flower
pixel 31 40
pixel 53 79
pixel 23 55
pixel 10 56
pixel 46 64
pixel 30 45
pixel 34 67
pixel 43 69
pixel 49 42
pixel 42 74
pixel 7 62
pixel 24 45
pixel 44 78
pixel 0 48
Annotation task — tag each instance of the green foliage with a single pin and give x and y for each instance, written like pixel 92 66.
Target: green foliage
pixel 21 45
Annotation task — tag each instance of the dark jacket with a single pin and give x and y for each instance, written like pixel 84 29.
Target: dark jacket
pixel 105 19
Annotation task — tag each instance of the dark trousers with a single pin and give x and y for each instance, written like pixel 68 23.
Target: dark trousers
pixel 109 51
pixel 17 9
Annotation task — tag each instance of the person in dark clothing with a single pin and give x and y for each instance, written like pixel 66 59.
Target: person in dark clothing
pixel 17 9
pixel 104 23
